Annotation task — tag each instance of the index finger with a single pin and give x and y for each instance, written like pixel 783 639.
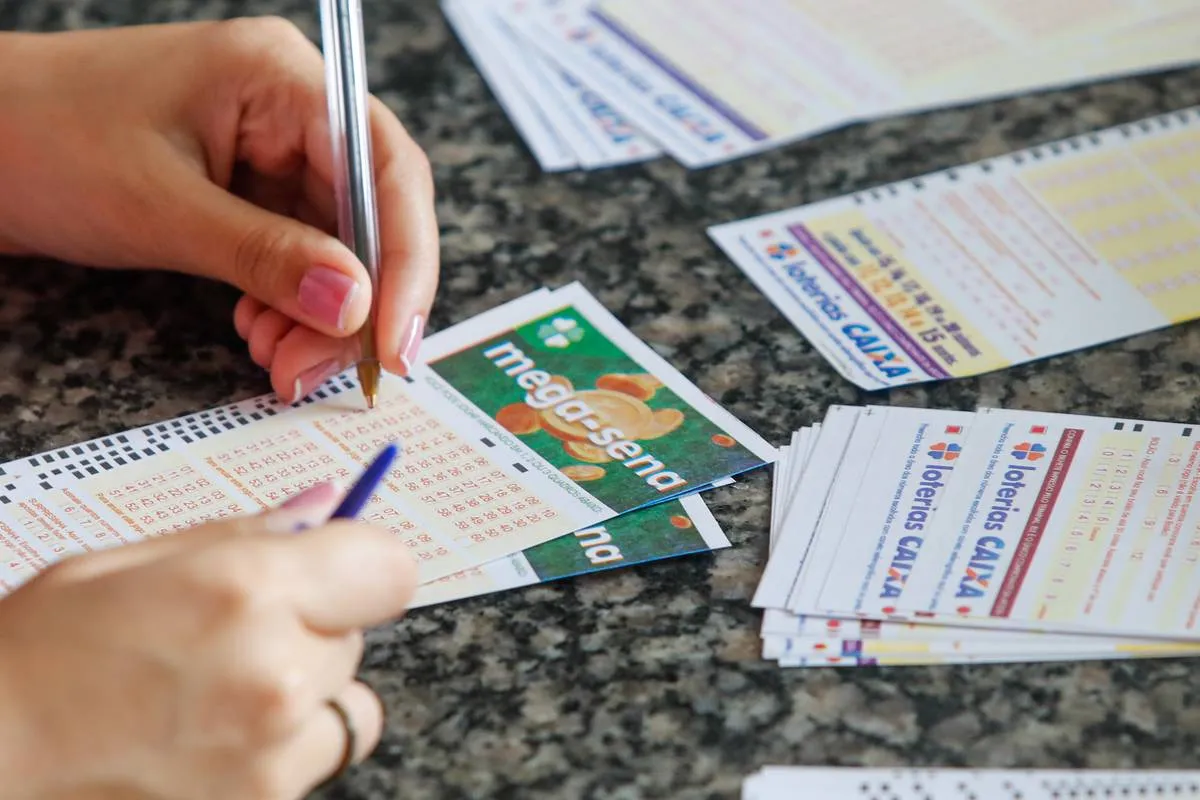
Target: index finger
pixel 347 575
pixel 408 230
pixel 408 233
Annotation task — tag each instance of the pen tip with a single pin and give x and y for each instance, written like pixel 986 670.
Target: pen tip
pixel 368 376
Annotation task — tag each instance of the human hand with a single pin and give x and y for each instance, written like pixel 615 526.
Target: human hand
pixel 197 666
pixel 204 148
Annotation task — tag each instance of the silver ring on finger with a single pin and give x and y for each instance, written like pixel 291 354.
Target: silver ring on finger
pixel 350 743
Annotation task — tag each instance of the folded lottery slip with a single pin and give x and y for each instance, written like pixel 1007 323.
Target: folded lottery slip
pixel 936 536
pixel 539 418
pixel 974 269
pixel 838 783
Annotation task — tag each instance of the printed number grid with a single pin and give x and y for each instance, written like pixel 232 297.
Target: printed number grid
pixel 170 499
pixel 1175 159
pixel 384 513
pixel 471 573
pixel 45 530
pixel 82 518
pixel 949 38
pixel 774 92
pixel 467 498
pixel 1152 566
pixel 922 228
pixel 1037 19
pixel 398 419
pixel 1095 519
pixel 1129 218
pixel 273 468
pixel 1185 534
pixel 20 557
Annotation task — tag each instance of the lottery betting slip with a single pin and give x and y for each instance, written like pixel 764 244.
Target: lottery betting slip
pixel 844 783
pixel 540 440
pixel 597 83
pixel 1005 261
pixel 914 536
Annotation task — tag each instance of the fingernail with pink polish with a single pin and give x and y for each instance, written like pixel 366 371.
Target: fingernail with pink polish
pixel 303 510
pixel 412 343
pixel 313 377
pixel 326 294
pixel 319 494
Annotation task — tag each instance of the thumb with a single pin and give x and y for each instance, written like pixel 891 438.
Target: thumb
pixel 295 268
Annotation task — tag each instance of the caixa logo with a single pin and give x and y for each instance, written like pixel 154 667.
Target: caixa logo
pixel 1005 503
pixel 876 349
pixel 921 505
pixel 693 121
pixel 1013 483
pixel 610 121
pixel 977 577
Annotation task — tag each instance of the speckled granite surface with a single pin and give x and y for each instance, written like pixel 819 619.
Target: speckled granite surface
pixel 644 683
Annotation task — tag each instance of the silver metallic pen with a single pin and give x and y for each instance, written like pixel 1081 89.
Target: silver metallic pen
pixel 354 172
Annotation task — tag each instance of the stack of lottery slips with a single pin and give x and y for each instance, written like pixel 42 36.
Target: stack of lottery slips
pixel 599 83
pixel 540 440
pixel 905 536
pixel 565 124
pixel 874 783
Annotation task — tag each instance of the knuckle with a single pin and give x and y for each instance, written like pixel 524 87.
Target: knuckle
pixel 223 603
pixel 256 259
pixel 261 705
pixel 259 35
pixel 273 704
pixel 228 586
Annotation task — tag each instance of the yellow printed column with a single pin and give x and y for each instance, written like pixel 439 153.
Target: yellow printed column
pixel 1096 525
pixel 1126 215
pixel 1176 584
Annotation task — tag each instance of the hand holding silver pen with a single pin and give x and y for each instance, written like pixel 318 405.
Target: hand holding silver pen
pixel 354 171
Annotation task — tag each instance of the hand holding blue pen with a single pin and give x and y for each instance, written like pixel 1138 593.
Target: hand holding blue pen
pixel 294 607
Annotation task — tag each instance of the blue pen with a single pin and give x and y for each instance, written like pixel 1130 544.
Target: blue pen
pixel 360 494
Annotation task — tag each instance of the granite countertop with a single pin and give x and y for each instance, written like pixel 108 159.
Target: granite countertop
pixel 644 682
